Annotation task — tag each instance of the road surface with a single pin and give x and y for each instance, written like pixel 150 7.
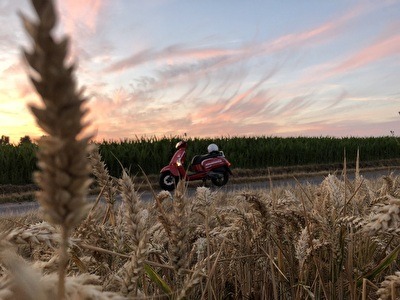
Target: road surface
pixel 26 207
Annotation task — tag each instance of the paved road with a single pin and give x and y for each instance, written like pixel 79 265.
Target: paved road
pixel 25 207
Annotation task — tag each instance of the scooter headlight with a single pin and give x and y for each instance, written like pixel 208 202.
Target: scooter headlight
pixel 179 163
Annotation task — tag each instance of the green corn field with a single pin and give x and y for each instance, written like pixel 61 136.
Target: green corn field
pixel 17 162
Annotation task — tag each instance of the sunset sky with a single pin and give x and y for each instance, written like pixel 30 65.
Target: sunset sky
pixel 218 67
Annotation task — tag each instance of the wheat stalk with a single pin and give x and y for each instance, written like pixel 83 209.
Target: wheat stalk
pixel 62 157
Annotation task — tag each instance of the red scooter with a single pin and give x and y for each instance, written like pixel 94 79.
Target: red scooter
pixel 212 166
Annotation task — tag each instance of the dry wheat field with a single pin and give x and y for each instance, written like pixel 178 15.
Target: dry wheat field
pixel 336 240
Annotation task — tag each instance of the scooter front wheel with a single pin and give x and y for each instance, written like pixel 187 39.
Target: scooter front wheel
pixel 220 180
pixel 168 181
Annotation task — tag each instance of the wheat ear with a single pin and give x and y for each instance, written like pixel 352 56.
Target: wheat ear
pixel 106 183
pixel 62 158
pixel 178 240
pixel 135 220
pixel 25 281
pixel 390 287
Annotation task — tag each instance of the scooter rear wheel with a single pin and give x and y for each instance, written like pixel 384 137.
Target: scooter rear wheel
pixel 168 182
pixel 221 180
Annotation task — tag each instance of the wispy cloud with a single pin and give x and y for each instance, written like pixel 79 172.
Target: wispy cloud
pixel 170 53
pixel 80 15
pixel 373 53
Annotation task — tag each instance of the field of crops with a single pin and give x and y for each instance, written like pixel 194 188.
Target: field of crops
pixel 18 161
pixel 338 240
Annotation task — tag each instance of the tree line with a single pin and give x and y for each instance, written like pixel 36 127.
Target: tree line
pixel 5 140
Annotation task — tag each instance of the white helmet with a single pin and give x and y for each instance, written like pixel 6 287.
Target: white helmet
pixel 212 148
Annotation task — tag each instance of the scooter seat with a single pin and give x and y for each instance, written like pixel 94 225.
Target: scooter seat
pixel 197 159
pixel 195 165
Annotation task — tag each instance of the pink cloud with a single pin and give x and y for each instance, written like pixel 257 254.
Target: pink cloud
pixel 172 52
pixel 247 93
pixel 196 64
pixel 230 55
pixel 76 12
pixel 347 128
pixel 118 118
pixel 311 36
pixel 380 50
pixel 322 32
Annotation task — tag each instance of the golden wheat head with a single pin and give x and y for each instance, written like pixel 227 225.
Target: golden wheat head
pixel 62 157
